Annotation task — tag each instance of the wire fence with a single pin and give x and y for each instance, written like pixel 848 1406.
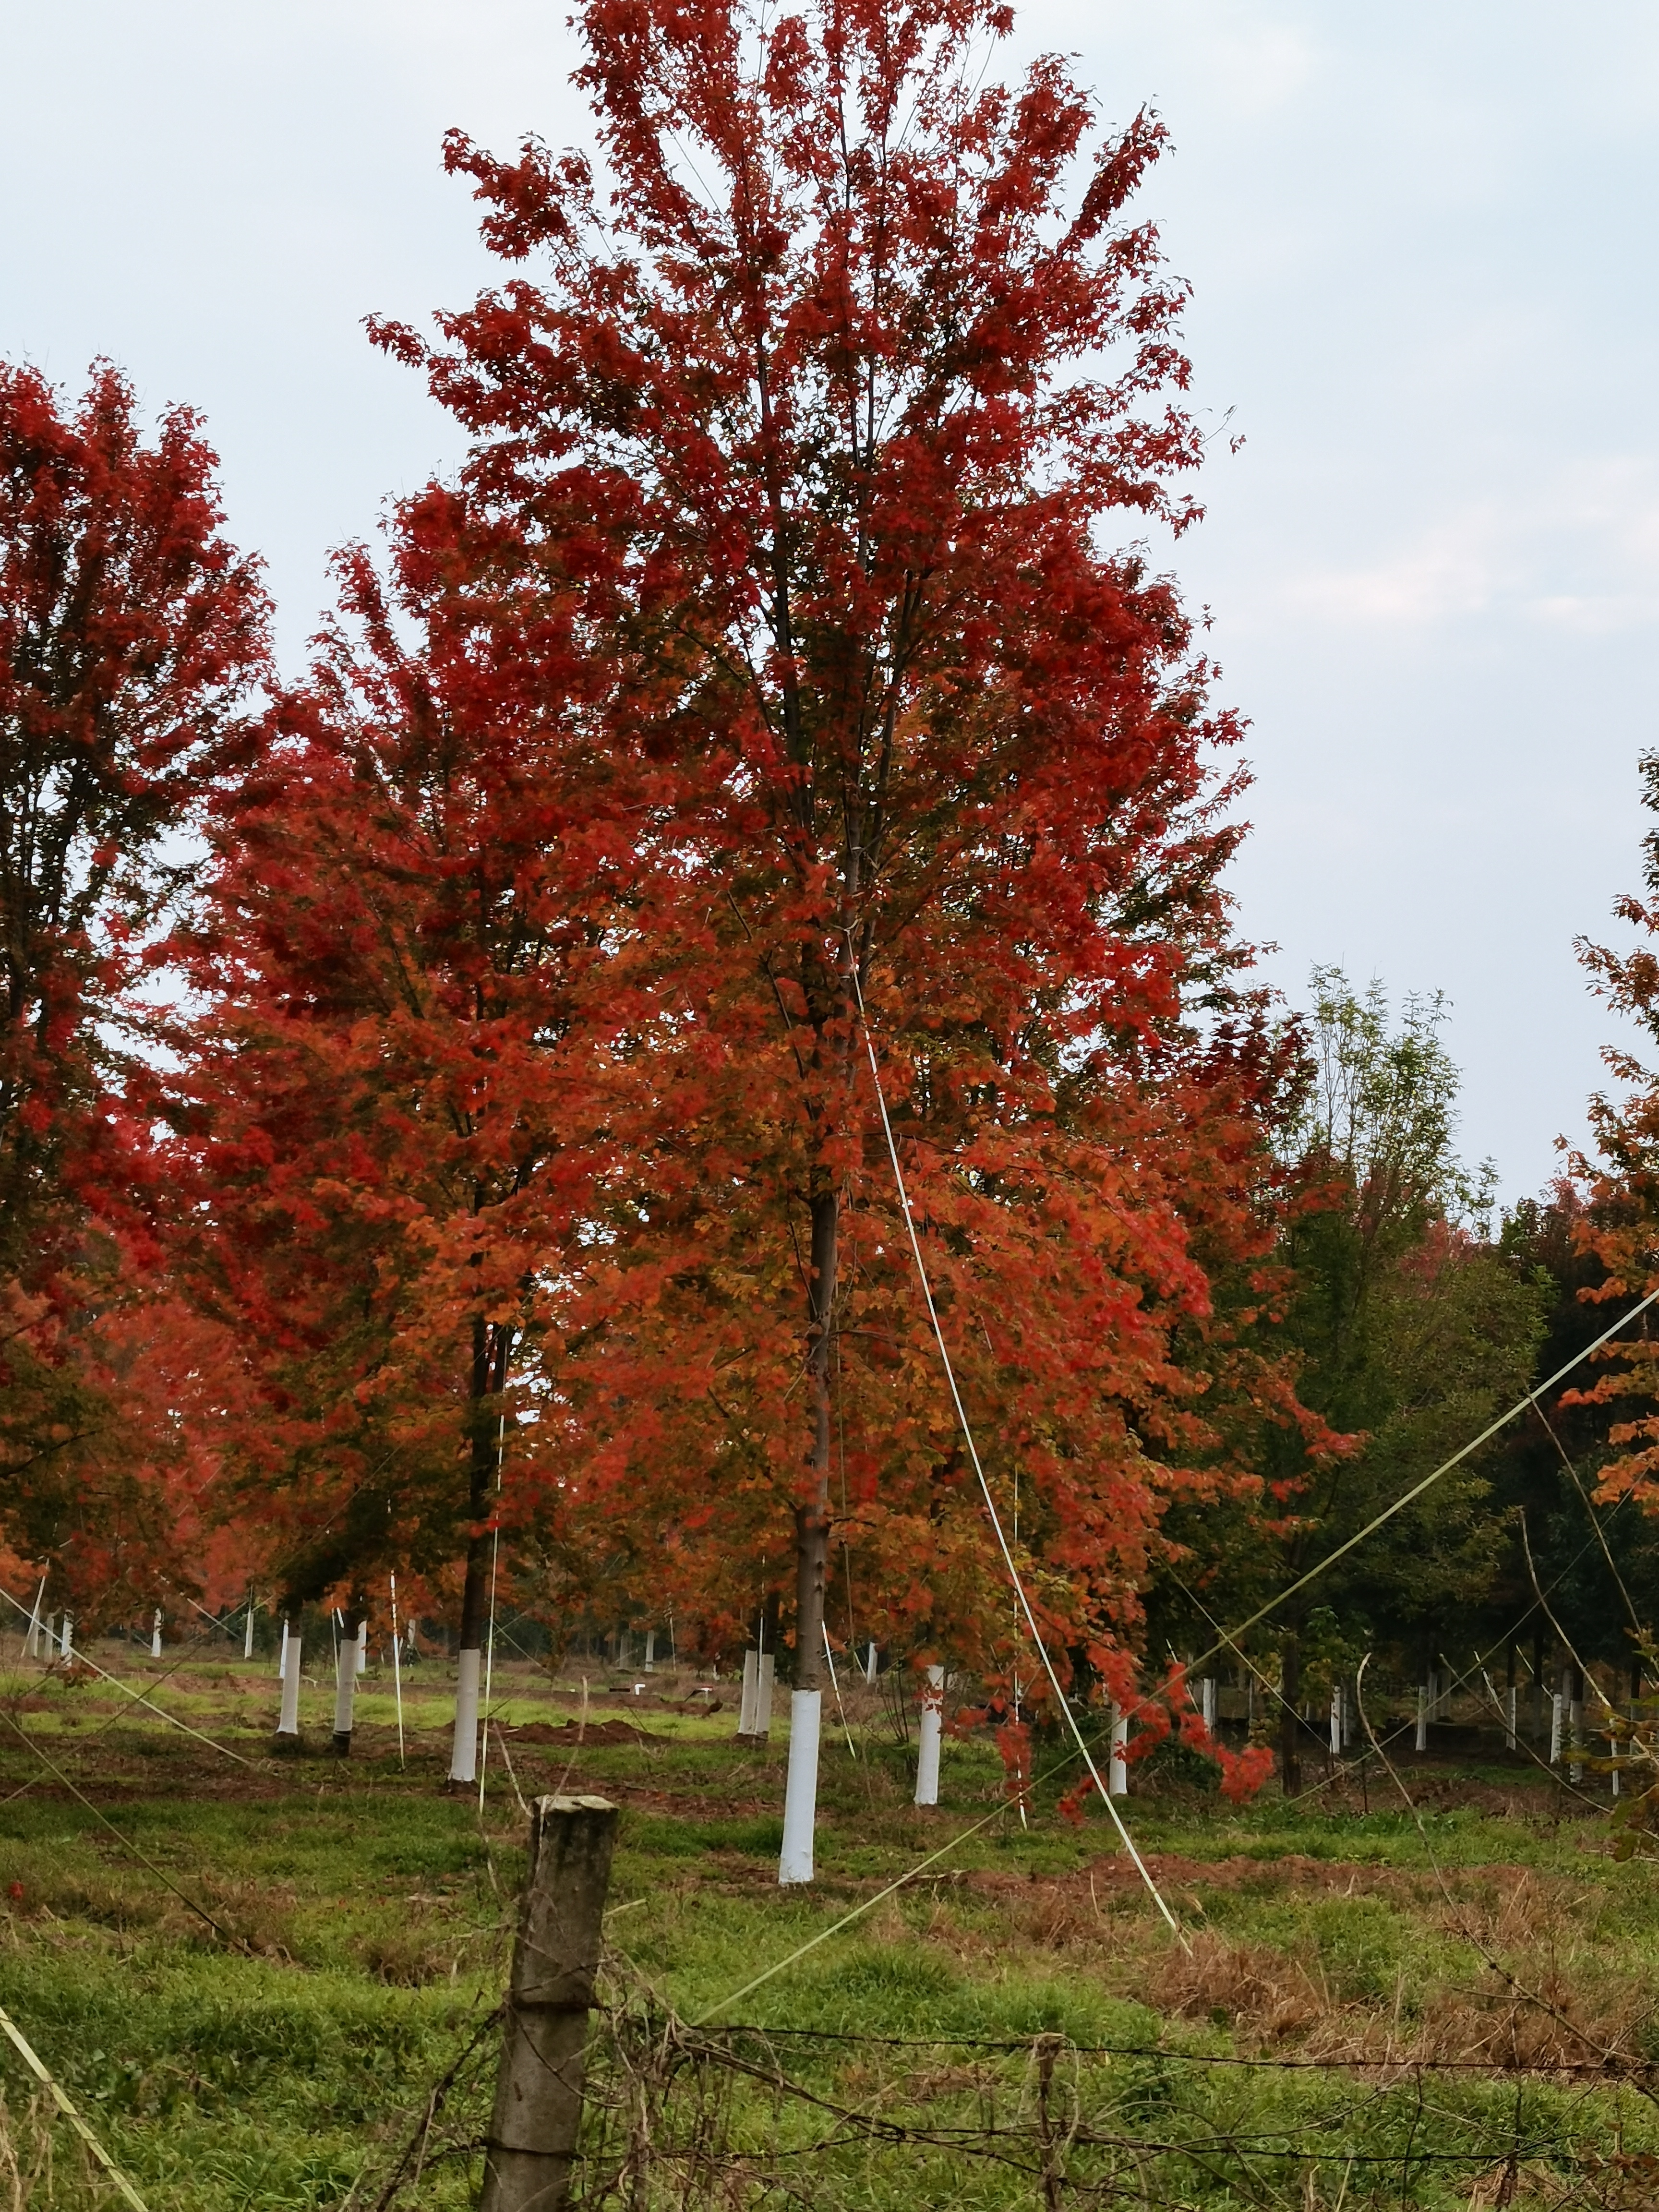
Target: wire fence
pixel 743 2117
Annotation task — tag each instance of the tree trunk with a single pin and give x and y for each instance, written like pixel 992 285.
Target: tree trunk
pixel 1290 1720
pixel 490 1347
pixel 1537 1682
pixel 812 1516
pixel 346 1671
pixel 812 1554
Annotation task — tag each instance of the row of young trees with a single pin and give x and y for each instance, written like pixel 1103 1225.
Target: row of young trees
pixel 436 1104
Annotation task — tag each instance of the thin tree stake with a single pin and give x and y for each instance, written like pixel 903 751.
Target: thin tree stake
pixel 396 1671
pixel 852 1748
pixel 495 1561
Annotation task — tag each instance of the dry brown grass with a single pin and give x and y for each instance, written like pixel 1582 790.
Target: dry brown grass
pixel 31 2176
pixel 1522 1978
pixel 1239 1984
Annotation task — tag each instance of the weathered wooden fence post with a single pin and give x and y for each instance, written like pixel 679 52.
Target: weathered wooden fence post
pixel 531 2145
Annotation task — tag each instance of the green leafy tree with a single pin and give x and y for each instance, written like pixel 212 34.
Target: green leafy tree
pixel 1597 1565
pixel 1413 1329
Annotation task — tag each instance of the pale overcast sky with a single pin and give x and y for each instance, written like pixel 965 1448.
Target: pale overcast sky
pixel 1421 240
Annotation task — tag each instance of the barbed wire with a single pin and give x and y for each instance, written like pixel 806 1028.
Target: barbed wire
pixel 1600 2068
pixel 672 2113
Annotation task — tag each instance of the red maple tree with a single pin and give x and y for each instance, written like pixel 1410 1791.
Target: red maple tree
pixel 845 383
pixel 132 636
pixel 1617 1190
pixel 391 1113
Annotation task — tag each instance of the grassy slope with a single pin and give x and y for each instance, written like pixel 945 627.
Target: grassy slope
pixel 375 1909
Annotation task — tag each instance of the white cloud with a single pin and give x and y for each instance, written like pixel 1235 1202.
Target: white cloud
pixel 1445 574
pixel 1581 552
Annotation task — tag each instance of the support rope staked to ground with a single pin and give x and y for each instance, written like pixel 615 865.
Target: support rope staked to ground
pixel 1227 1639
pixel 115 1683
pixel 1567 1646
pixel 1061 1702
pixel 1609 2057
pixel 1461 1678
pixel 115 1713
pixel 124 1839
pixel 32 2059
pixel 494 1563
pixel 1409 1496
pixel 1601 1533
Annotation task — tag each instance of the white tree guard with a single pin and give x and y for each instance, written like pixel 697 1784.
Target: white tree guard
pixel 1117 1778
pixel 464 1752
pixel 289 1724
pixel 801 1796
pixel 345 1685
pixel 933 1729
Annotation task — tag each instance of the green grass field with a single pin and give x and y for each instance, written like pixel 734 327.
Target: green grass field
pixel 249 1978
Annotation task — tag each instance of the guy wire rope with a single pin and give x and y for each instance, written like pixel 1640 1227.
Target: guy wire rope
pixel 115 1683
pixel 913 1874
pixel 1061 1700
pixel 32 2059
pixel 965 1835
pixel 108 1721
pixel 1601 1535
pixel 1229 1637
pixel 1460 1678
pixel 121 1838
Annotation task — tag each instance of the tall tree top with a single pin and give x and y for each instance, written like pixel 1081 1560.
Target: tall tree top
pixel 826 399
pixel 130 633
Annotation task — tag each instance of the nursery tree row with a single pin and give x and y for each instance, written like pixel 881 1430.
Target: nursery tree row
pixel 441 1100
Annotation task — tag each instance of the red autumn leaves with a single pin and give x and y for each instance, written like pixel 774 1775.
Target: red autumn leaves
pixel 130 637
pixel 783 639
